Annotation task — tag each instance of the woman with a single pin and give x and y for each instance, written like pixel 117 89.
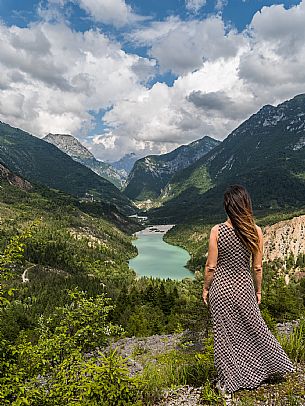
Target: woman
pixel 245 351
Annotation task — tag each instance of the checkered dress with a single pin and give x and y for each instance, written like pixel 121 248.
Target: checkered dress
pixel 245 351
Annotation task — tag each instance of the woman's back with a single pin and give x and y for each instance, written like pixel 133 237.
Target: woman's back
pixel 233 255
pixel 245 351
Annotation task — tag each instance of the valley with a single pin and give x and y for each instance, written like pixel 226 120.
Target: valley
pixel 74 278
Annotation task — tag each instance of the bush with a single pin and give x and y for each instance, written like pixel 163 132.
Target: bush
pixel 176 368
pixel 294 344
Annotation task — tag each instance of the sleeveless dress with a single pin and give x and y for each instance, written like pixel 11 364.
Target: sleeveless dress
pixel 245 351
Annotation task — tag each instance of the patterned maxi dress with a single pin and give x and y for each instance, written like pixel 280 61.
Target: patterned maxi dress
pixel 245 351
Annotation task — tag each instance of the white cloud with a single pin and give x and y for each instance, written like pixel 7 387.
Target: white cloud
pixel 224 76
pixel 220 4
pixel 272 66
pixel 162 118
pixel 115 12
pixel 194 5
pixel 52 77
pixel 183 46
pixel 62 75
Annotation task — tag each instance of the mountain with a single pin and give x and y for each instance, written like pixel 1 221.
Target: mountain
pixel 151 174
pixel 265 153
pixel 125 164
pixel 43 163
pixel 71 146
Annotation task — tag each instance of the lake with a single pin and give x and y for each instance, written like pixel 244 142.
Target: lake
pixel 157 258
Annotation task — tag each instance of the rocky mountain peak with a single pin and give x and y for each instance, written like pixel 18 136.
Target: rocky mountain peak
pixel 70 145
pixel 151 174
pixel 77 151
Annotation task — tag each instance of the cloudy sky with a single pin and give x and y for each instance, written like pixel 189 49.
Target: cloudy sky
pixel 146 76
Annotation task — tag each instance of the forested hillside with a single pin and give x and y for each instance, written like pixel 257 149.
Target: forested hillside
pixel 265 153
pixel 151 174
pixel 67 293
pixel 41 162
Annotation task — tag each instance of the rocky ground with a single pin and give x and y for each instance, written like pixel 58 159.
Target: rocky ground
pixel 287 391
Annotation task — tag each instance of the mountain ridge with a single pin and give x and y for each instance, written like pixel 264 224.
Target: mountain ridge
pixel 77 151
pixel 264 153
pixel 41 162
pixel 151 174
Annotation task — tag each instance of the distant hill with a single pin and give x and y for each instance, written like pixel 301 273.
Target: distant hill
pixel 41 162
pixel 125 164
pixel 150 175
pixel 76 150
pixel 265 153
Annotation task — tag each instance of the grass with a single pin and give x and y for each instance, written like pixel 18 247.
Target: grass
pixel 294 344
pixel 277 392
pixel 176 368
pixel 179 367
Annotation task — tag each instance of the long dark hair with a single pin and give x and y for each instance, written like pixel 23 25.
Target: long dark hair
pixel 238 206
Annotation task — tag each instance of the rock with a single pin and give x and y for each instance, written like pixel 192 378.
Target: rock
pixel 183 396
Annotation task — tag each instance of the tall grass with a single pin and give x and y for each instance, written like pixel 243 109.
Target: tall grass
pixel 176 368
pixel 294 344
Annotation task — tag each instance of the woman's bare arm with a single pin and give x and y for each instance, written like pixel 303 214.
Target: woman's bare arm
pixel 257 265
pixel 211 262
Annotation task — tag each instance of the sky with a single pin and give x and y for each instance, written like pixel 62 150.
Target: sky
pixel 146 76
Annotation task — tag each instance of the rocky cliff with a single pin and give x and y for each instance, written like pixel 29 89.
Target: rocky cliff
pixel 285 238
pixel 12 179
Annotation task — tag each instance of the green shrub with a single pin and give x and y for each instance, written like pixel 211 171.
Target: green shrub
pixel 294 344
pixel 176 368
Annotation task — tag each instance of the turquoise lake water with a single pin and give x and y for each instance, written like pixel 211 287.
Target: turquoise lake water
pixel 158 259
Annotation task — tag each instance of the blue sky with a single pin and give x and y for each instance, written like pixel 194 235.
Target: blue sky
pixel 237 12
pixel 146 76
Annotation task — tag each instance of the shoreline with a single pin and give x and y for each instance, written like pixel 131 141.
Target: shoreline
pixel 155 229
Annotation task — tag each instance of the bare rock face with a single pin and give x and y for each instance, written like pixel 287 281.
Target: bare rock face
pixel 69 145
pixel 77 151
pixel 12 179
pixel 284 238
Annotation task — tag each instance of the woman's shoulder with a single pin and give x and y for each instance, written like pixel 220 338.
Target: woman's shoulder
pixel 215 228
pixel 259 230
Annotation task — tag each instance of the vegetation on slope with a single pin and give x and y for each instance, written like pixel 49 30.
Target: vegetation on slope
pixel 41 162
pixel 80 294
pixel 150 175
pixel 265 154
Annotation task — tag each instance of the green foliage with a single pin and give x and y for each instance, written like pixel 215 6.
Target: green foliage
pixel 54 368
pixel 178 367
pixel 208 394
pixel 14 251
pixel 81 323
pixel 269 320
pixel 32 158
pixel 101 380
pixel 12 257
pixel 199 178
pixel 281 301
pixel 76 380
pixel 294 344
